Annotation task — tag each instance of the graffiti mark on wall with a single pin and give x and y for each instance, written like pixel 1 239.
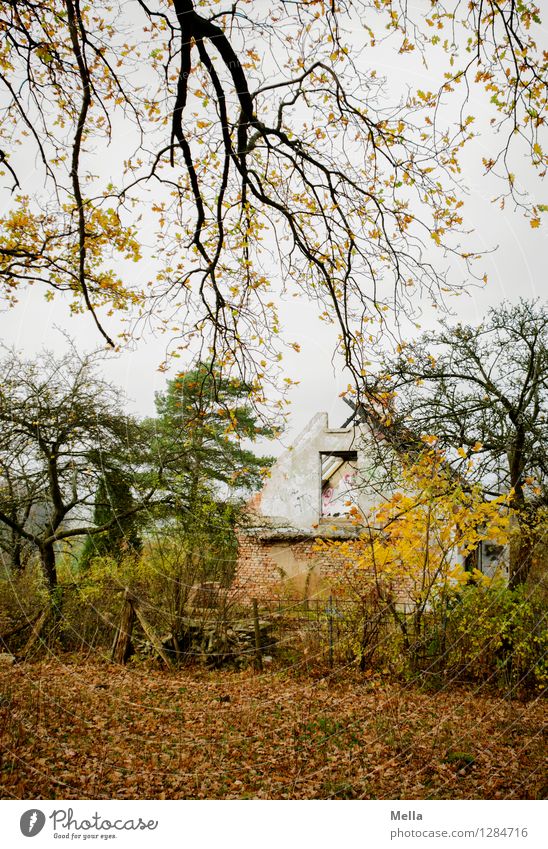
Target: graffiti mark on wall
pixel 338 483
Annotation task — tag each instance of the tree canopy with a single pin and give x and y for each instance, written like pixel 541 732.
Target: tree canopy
pixel 198 438
pixel 200 452
pixel 480 394
pixel 113 509
pixel 209 141
pixel 62 434
pixel 73 464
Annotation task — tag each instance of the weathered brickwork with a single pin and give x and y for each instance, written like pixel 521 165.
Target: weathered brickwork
pixel 301 568
pixel 292 568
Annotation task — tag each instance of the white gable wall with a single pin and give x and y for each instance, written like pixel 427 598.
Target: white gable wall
pixel 291 497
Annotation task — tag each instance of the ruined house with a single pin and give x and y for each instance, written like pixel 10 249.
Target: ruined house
pixel 309 496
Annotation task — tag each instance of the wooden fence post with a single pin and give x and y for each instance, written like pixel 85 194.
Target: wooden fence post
pixel 331 632
pixel 36 630
pixel 258 653
pixel 120 646
pixel 152 636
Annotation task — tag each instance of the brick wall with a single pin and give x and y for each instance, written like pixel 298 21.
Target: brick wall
pixel 291 568
pixel 298 569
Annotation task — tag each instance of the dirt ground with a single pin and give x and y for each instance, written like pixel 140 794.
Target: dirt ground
pixel 71 729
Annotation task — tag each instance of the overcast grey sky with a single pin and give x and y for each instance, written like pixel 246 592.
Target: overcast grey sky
pixel 516 267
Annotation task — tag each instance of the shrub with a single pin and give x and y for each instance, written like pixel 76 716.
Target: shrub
pixel 497 634
pixel 23 595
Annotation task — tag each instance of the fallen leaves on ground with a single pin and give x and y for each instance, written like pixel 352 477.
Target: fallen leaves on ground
pixel 75 730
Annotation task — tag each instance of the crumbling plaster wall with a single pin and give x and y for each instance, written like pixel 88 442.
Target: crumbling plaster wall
pixel 291 497
pixel 279 552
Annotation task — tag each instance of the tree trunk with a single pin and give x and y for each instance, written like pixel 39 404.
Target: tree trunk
pixel 122 641
pixel 16 554
pixel 47 556
pixel 521 552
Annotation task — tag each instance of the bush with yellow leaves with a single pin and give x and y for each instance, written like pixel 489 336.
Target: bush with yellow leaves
pixel 435 616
